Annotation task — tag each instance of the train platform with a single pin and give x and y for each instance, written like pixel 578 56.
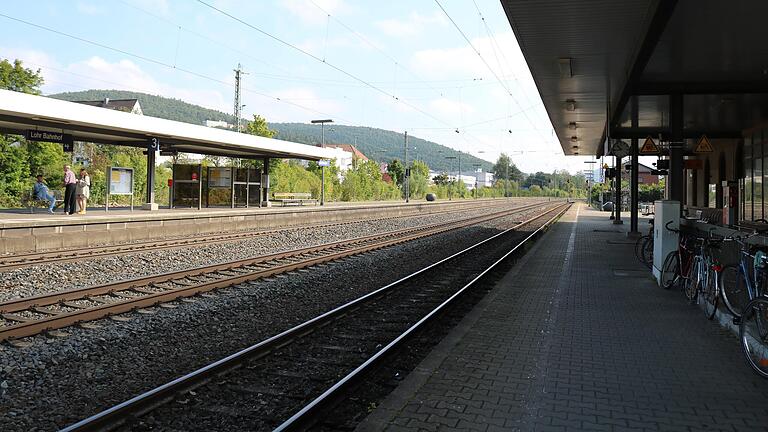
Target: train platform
pixel 577 336
pixel 22 231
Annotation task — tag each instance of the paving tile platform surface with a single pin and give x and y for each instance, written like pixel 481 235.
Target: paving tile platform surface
pixel 577 337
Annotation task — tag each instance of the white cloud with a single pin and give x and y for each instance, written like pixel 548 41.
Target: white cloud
pixel 311 14
pixel 448 107
pixel 410 26
pixel 160 7
pixel 87 8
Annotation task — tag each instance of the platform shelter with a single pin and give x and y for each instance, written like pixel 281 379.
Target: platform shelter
pixel 688 75
pixel 45 119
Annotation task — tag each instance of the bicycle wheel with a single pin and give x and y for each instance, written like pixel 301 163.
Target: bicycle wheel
pixel 710 293
pixel 691 285
pixel 639 244
pixel 670 271
pixel 648 251
pixel 733 289
pixel 753 331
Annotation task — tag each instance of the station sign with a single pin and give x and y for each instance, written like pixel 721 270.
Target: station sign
pixel 649 147
pixel 323 163
pixel 65 140
pixel 54 137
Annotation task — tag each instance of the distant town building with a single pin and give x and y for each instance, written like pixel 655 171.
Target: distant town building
pixel 644 175
pixel 345 156
pixel 126 105
pixel 484 179
pixel 221 124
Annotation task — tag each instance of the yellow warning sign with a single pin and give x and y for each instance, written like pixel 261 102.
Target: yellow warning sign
pixel 703 146
pixel 649 147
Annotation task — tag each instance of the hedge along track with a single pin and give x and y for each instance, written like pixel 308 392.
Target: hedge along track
pixel 34 315
pixel 301 372
pixel 15 261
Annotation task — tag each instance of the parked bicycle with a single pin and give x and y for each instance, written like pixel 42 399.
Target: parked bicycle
pixel 644 247
pixel 745 296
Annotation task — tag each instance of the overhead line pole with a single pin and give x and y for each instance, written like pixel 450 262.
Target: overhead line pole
pixel 407 176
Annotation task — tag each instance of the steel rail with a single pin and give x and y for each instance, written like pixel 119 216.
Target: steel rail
pixel 331 251
pixel 116 416
pixel 304 417
pixel 11 262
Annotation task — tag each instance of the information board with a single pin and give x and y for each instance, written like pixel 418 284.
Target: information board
pixel 219 177
pixel 121 181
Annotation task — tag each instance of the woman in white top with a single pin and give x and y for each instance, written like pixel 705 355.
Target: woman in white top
pixel 83 190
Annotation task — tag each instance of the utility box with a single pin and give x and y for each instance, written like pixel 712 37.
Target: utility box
pixel 664 240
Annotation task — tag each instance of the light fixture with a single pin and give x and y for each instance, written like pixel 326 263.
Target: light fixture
pixel 570 105
pixel 575 153
pixel 572 125
pixel 574 138
pixel 575 147
pixel 564 64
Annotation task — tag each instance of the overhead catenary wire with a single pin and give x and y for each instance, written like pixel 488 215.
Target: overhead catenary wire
pixel 159 63
pixel 320 60
pixel 487 65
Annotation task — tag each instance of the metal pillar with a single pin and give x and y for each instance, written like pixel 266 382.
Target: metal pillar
pixel 406 183
pixel 322 169
pixel 617 203
pixel 265 183
pixel 634 183
pixel 676 149
pixel 151 155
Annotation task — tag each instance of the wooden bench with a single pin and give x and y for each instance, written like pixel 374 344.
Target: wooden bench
pixel 32 203
pixel 291 198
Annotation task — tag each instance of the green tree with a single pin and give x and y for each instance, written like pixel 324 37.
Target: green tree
pixel 504 163
pixel 17 78
pixel 441 179
pixel 396 170
pixel 14 172
pixel 259 127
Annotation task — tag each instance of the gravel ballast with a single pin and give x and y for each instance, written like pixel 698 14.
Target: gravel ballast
pixel 44 278
pixel 58 381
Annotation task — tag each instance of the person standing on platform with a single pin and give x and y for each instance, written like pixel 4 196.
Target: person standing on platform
pixel 42 193
pixel 83 190
pixel 70 187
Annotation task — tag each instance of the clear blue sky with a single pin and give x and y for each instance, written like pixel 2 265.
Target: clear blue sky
pixel 428 79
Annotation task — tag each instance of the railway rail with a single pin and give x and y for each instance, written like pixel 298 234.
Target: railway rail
pixel 11 262
pixel 29 316
pixel 289 381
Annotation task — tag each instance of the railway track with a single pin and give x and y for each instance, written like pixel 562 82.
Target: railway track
pixel 290 380
pixel 11 262
pixel 29 316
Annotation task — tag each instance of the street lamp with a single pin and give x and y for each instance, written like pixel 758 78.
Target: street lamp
pixel 322 133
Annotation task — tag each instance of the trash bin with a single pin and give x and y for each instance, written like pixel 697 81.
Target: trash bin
pixel 431 197
pixel 608 206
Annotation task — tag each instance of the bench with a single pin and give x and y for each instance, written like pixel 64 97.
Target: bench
pixel 32 203
pixel 291 198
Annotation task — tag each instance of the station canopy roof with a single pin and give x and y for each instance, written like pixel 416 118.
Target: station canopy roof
pixel 21 112
pixel 589 57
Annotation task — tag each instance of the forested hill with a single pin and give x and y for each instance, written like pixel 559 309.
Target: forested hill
pixel 155 106
pixel 377 144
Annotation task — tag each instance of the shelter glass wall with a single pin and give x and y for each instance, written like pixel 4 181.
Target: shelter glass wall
pixel 753 199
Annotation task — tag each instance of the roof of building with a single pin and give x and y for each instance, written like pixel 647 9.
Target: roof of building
pixel 591 58
pixel 349 148
pixel 116 104
pixel 20 112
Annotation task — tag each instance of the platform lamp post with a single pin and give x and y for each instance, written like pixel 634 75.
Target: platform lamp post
pixel 407 176
pixel 322 168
